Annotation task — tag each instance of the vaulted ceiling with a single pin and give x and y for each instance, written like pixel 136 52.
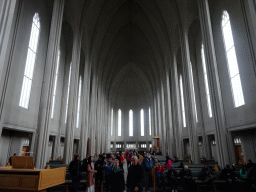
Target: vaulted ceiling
pixel 129 43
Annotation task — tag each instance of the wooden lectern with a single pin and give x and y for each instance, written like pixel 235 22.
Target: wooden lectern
pixel 23 176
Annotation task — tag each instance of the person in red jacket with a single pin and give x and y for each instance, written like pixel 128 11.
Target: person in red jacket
pixel 121 159
pixel 128 159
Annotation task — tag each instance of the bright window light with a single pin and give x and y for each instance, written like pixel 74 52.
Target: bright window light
pixel 206 82
pixel 234 75
pixel 30 62
pixel 182 102
pixel 111 121
pixel 149 119
pixel 130 123
pixel 142 122
pixel 69 76
pixel 119 122
pixel 78 102
pixel 55 83
pixel 193 90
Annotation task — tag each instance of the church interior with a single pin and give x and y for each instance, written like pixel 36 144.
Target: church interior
pixel 94 76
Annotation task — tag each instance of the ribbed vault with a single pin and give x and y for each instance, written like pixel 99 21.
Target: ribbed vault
pixel 129 43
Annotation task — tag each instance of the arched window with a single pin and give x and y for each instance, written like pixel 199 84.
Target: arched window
pixel 30 62
pixel 142 122
pixel 206 82
pixel 55 83
pixel 78 102
pixel 130 123
pixel 182 102
pixel 119 122
pixel 234 75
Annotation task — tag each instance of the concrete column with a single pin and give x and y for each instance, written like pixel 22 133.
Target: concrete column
pixel 171 141
pixel 73 92
pixel 42 136
pixel 188 97
pixel 221 133
pixel 9 20
pixel 85 111
pixel 155 122
pixel 164 132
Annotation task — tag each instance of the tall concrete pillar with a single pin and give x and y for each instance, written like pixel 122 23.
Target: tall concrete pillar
pixel 170 141
pixel 188 97
pixel 73 93
pixel 85 111
pixel 164 131
pixel 42 136
pixel 9 19
pixel 221 133
pixel 178 126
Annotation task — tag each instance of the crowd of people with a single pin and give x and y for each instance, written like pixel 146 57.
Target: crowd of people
pixel 109 168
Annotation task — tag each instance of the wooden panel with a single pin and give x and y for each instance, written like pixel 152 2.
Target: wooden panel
pixel 20 182
pixel 23 162
pixel 52 177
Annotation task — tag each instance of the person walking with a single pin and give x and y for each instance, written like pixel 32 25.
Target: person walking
pixel 74 169
pixel 116 178
pixel 147 164
pixel 135 176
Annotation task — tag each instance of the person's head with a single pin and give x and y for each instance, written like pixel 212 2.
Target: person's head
pixel 160 164
pixel 120 152
pixel 134 160
pixel 181 164
pixel 227 166
pixel 148 155
pixel 76 156
pixel 109 158
pixel 14 154
pixel 249 161
pixel 185 167
pixel 167 157
pixel 116 163
pixel 206 165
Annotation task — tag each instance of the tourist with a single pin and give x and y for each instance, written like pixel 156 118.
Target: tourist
pixel 207 176
pixel 147 164
pixel 108 169
pixel 75 172
pixel 231 178
pixel 168 162
pixel 116 178
pixel 172 178
pixel 90 175
pixel 187 180
pixel 135 176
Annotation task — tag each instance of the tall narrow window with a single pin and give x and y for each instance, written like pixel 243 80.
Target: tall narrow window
pixel 30 62
pixel 193 90
pixel 119 122
pixel 130 123
pixel 234 75
pixel 111 121
pixel 142 122
pixel 78 102
pixel 149 121
pixel 55 83
pixel 182 102
pixel 69 76
pixel 206 83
